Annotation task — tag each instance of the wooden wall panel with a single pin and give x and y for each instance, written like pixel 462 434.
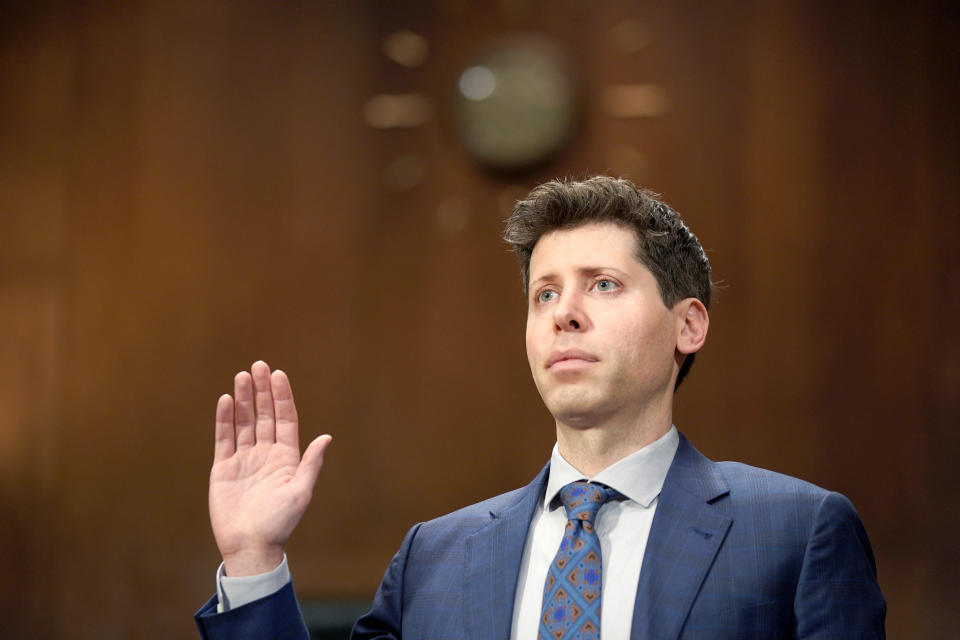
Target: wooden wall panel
pixel 187 187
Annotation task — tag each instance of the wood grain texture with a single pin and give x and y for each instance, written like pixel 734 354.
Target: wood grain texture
pixel 173 173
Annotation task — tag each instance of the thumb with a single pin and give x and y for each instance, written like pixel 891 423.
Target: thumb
pixel 311 463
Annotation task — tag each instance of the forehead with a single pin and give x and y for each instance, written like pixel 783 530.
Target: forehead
pixel 595 244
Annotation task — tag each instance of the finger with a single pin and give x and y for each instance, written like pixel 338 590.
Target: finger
pixel 286 409
pixel 243 401
pixel 311 463
pixel 223 445
pixel 266 424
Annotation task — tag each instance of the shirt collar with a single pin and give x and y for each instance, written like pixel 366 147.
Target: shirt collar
pixel 639 476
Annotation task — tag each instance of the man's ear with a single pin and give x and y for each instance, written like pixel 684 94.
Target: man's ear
pixel 694 321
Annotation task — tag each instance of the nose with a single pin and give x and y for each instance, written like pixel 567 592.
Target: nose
pixel 568 314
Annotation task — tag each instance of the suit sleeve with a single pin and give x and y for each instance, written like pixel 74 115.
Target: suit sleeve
pixel 384 620
pixel 276 617
pixel 838 595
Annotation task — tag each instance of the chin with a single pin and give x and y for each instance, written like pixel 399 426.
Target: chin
pixel 577 410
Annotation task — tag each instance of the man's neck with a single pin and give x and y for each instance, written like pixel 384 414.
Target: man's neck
pixel 592 449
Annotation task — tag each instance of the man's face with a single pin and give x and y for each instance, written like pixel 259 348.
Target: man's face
pixel 600 341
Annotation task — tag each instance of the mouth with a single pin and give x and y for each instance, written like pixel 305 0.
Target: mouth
pixel 570 357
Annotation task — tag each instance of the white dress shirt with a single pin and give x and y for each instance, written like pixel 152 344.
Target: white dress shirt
pixel 622 526
pixel 236 592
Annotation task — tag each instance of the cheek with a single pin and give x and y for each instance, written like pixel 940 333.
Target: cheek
pixel 651 341
pixel 531 341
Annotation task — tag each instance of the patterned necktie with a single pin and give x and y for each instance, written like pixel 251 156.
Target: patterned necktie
pixel 571 595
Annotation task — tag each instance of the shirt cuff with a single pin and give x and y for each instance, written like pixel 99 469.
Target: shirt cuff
pixel 236 592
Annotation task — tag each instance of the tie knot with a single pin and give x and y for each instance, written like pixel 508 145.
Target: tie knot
pixel 583 499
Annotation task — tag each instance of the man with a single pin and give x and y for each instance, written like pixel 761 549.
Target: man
pixel 627 513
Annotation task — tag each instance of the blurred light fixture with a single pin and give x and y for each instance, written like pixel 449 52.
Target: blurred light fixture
pixel 635 101
pixel 406 48
pixel 388 111
pixel 517 103
pixel 477 83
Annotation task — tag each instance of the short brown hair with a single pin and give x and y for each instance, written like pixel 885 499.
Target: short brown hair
pixel 665 245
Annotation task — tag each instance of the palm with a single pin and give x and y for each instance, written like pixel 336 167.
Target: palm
pixel 259 486
pixel 249 491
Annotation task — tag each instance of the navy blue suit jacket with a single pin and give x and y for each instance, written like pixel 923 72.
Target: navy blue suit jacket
pixel 733 552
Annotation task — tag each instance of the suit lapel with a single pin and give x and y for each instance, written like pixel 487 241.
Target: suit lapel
pixel 492 565
pixel 686 533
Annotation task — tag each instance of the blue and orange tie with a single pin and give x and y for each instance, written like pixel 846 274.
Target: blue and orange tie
pixel 571 595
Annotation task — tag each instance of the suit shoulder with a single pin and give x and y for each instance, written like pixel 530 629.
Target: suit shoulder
pixel 746 478
pixel 754 484
pixel 479 512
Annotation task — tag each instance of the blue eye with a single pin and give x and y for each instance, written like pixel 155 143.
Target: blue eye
pixel 606 285
pixel 546 295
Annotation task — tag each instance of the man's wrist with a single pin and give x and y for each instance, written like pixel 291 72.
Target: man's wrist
pixel 251 562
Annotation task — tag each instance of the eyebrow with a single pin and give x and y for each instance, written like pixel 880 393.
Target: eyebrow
pixel 583 271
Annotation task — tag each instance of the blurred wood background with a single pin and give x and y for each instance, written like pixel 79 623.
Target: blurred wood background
pixel 186 187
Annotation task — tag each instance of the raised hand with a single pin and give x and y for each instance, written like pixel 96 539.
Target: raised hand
pixel 259 485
